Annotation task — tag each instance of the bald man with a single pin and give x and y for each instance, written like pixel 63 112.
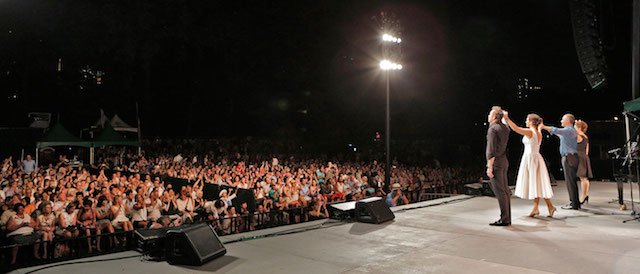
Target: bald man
pixel 568 142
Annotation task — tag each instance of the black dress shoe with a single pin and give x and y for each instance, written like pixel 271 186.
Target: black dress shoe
pixel 499 223
pixel 567 206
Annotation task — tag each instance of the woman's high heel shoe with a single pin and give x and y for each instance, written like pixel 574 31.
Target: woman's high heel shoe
pixel 551 211
pixel 586 200
pixel 534 213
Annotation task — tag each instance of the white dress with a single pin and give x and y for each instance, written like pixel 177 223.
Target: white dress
pixel 120 216
pixel 533 178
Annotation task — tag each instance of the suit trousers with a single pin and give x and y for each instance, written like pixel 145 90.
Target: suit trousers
pixel 500 187
pixel 570 168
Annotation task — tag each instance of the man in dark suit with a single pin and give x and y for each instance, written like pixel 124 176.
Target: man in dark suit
pixel 498 164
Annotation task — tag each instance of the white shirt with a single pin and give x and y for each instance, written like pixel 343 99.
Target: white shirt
pixel 185 205
pixel 154 212
pixel 57 205
pixel 130 203
pixel 178 158
pixel 29 166
pixel 68 218
pixel 18 221
pixel 140 214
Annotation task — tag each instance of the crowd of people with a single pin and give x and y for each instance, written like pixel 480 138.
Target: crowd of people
pixel 126 191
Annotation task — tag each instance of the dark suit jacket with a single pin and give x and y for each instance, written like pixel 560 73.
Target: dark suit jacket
pixel 497 138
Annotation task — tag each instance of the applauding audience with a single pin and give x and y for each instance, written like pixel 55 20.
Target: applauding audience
pixel 61 202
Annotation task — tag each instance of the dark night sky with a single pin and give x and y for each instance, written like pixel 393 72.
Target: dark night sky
pixel 236 68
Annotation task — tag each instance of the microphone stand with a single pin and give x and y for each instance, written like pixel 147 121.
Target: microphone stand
pixel 628 161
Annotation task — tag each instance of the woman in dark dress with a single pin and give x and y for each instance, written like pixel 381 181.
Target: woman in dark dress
pixel 584 166
pixel 87 218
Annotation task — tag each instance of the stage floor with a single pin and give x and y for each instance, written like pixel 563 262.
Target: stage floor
pixel 449 238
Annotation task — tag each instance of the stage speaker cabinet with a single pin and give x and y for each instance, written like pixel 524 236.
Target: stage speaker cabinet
pixel 152 241
pixel 373 210
pixel 194 245
pixel 585 19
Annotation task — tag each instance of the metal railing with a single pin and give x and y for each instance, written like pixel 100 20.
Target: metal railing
pixel 63 249
pixel 78 247
pixel 422 195
pixel 256 221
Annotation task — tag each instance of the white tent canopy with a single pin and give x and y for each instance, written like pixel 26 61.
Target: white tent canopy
pixel 116 122
pixel 102 121
pixel 119 125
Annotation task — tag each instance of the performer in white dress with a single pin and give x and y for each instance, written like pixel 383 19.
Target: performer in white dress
pixel 533 178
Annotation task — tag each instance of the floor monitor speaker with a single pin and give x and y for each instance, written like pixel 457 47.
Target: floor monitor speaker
pixel 194 245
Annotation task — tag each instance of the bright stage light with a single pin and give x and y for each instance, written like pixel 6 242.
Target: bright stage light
pixel 389 38
pixel 388 65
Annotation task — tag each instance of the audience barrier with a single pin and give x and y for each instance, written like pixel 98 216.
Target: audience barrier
pixel 78 247
pixel 61 249
pixel 210 192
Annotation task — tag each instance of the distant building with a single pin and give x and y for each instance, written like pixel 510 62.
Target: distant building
pixel 527 89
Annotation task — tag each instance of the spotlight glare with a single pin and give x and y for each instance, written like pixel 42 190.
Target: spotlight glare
pixel 388 65
pixel 389 38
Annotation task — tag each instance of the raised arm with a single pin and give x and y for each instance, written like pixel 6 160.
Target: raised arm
pixel 565 131
pixel 542 126
pixel 516 128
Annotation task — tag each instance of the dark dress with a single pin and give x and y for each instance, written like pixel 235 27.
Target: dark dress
pixel 584 166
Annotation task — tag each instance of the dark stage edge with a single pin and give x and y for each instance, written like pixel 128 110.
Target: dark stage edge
pixel 448 238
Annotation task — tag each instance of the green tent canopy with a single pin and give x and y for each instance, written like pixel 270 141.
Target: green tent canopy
pixel 633 105
pixel 60 136
pixel 109 137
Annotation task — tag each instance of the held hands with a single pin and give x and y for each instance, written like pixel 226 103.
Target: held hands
pixel 505 118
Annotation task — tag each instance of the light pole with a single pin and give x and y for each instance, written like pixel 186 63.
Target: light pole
pixel 387 66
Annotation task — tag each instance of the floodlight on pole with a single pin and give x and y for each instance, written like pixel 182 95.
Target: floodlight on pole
pixel 388 65
pixel 390 38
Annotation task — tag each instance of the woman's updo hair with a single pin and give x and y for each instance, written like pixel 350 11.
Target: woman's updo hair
pixel 44 204
pixel 534 119
pixel 101 200
pixel 582 125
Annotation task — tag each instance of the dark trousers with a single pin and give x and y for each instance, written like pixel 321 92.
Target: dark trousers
pixel 620 192
pixel 570 168
pixel 500 187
